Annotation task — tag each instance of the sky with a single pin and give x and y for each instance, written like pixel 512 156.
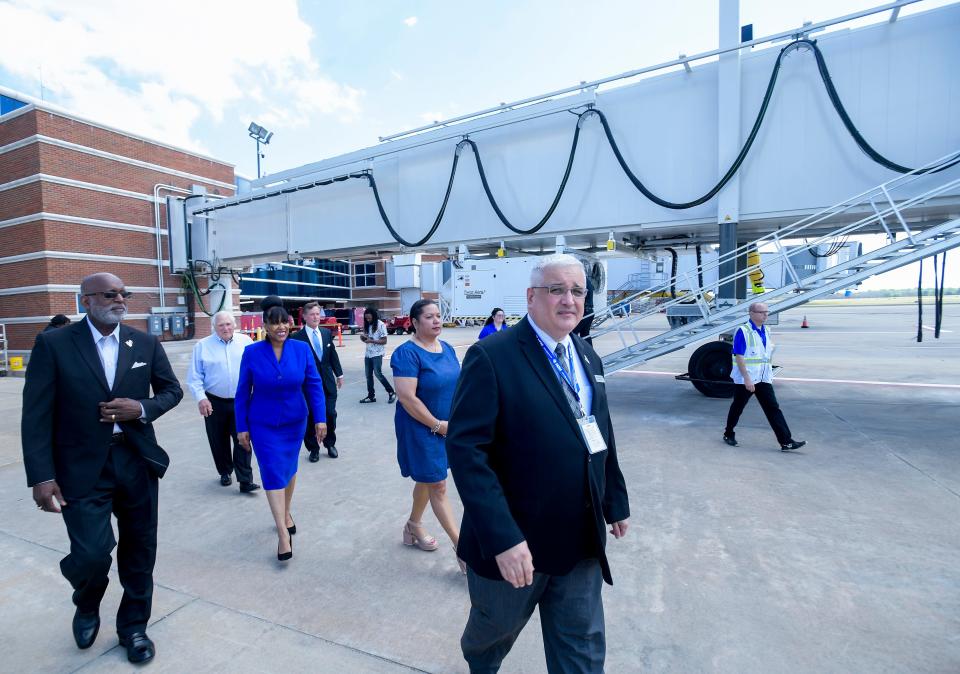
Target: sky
pixel 329 78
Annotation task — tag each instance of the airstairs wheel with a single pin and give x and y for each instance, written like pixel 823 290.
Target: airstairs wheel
pixel 709 367
pixel 677 321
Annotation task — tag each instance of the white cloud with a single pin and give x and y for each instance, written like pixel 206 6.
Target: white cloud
pixel 411 21
pixel 156 71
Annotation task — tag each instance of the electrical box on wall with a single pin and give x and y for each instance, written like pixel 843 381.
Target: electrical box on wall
pixel 155 325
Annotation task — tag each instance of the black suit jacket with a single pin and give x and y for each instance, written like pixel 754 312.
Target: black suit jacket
pixel 63 437
pixel 521 464
pixel 328 363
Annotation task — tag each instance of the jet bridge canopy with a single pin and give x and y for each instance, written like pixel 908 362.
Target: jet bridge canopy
pixel 897 82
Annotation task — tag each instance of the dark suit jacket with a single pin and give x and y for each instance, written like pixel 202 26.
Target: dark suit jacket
pixel 328 363
pixel 521 464
pixel 63 437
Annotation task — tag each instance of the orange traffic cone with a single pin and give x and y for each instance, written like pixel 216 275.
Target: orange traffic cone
pixel 804 324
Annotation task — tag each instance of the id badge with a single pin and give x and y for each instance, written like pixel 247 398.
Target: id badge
pixel 592 435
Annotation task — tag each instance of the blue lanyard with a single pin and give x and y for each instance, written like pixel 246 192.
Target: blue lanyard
pixel 574 385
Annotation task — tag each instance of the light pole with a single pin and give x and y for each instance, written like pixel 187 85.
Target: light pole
pixel 260 135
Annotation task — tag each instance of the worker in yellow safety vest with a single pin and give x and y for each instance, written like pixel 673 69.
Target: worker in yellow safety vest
pixel 753 375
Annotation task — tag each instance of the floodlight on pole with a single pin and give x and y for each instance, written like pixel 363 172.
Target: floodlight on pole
pixel 260 135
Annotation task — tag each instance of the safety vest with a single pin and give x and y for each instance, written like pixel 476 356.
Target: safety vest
pixel 757 357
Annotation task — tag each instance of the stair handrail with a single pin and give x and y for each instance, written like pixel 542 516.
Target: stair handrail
pixel 937 238
pixel 864 199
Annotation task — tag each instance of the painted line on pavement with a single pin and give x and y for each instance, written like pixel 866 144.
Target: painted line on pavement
pixel 818 381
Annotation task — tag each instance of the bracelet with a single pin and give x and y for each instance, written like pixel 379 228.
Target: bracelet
pixel 436 427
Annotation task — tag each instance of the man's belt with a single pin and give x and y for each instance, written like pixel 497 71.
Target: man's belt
pixel 224 400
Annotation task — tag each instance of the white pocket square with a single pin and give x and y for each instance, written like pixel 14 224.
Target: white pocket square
pixel 136 365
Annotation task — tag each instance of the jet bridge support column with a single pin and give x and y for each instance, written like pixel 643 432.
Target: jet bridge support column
pixel 729 141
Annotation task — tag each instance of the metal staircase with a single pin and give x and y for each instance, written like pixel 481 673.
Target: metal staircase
pixel 887 209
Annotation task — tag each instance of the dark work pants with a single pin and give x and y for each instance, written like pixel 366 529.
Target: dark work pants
pixel 371 367
pixel 771 408
pixel 221 431
pixel 310 435
pixel 571 619
pixel 583 329
pixel 129 491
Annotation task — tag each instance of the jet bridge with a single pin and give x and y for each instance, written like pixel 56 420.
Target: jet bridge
pixel 760 134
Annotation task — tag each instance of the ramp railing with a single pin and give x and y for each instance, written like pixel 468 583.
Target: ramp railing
pixel 884 209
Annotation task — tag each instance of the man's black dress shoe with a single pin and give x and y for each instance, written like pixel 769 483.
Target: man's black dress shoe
pixel 85 628
pixel 332 452
pixel 793 444
pixel 392 397
pixel 225 480
pixel 730 440
pixel 369 399
pixel 314 455
pixel 247 487
pixel 139 647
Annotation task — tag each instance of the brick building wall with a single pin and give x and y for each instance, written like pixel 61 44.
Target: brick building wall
pixel 77 198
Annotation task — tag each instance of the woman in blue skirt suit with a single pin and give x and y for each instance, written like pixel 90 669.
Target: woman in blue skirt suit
pixel 278 377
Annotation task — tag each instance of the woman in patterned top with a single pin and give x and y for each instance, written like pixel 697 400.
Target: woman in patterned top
pixel 374 335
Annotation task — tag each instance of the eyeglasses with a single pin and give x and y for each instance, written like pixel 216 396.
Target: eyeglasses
pixel 560 290
pixel 111 294
pixel 754 311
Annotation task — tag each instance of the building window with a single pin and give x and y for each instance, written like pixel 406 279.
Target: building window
pixel 364 274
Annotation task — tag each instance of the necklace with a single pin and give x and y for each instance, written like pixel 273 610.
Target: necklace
pixel 434 348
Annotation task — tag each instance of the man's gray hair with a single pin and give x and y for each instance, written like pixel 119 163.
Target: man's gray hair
pixel 550 261
pixel 220 314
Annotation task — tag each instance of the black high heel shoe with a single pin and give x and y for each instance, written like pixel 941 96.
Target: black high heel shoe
pixel 285 556
pixel 292 529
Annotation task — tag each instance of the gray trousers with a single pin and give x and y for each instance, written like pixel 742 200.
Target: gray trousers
pixel 571 619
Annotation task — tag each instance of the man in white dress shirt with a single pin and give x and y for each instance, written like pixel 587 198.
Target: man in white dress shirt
pixel 214 372
pixel 331 374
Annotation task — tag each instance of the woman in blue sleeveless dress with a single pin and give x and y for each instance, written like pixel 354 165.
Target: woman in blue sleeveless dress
pixel 425 372
pixel 278 377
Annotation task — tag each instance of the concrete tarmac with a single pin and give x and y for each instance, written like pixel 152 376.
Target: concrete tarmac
pixel 841 557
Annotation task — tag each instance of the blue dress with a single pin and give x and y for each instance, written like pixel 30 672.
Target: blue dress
pixel 270 405
pixel 421 454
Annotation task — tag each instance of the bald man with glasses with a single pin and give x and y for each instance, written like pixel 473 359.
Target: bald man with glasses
pixel 90 452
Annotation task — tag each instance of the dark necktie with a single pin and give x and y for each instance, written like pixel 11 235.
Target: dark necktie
pixel 561 352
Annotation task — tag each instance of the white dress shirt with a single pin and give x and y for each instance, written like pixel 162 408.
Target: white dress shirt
pixel 108 348
pixel 582 377
pixel 215 366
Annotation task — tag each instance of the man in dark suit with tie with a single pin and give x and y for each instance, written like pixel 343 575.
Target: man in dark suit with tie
pixel 331 374
pixel 89 449
pixel 532 452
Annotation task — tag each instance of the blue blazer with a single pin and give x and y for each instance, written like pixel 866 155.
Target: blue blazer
pixel 275 393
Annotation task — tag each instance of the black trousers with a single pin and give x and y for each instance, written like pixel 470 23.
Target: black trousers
pixel 571 620
pixel 128 490
pixel 221 431
pixel 769 404
pixel 310 436
pixel 371 367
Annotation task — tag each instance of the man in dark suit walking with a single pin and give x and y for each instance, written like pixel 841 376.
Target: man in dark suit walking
pixel 532 452
pixel 89 449
pixel 331 374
